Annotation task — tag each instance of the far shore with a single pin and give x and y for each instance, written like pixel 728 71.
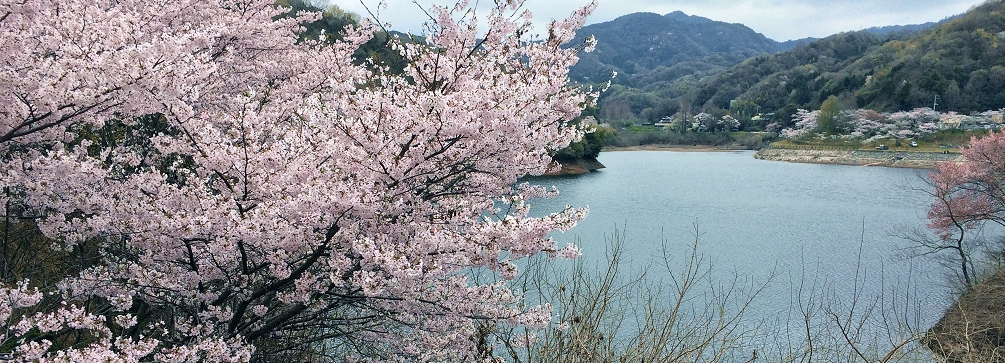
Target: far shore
pixel 676 148
pixel 896 159
pixel 892 158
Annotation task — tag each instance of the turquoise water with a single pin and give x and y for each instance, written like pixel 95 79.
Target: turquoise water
pixel 798 222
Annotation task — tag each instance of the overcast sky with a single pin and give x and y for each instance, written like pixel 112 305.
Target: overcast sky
pixel 777 19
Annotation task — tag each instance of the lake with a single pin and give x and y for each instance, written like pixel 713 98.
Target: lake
pixel 797 221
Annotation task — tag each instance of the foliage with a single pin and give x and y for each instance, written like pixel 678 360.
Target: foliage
pixel 650 53
pixel 803 77
pixel 628 138
pixel 675 310
pixel 677 64
pixel 869 125
pixel 829 119
pixel 967 195
pixel 589 147
pixel 236 192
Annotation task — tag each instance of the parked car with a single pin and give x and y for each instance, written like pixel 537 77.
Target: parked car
pixel 882 147
pixel 914 144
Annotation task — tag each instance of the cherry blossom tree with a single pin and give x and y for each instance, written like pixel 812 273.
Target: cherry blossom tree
pixel 805 124
pixel 968 194
pixel 728 123
pixel 288 202
pixel 704 122
pixel 872 126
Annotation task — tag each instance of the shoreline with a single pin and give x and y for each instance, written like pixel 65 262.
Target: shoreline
pixel 893 159
pixel 675 148
pixel 576 166
pixel 890 158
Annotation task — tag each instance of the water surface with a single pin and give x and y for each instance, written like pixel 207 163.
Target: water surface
pixel 756 217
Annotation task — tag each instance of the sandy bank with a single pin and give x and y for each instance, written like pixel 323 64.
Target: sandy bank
pixel 897 159
pixel 677 148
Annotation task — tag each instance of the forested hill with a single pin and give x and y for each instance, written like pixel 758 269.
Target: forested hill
pixel 961 61
pixel 665 47
pixel 903 29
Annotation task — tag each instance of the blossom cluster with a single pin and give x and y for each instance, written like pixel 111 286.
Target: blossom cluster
pixel 970 192
pixel 708 122
pixel 870 125
pixel 288 197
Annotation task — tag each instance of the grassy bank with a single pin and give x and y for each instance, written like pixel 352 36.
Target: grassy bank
pixel 636 136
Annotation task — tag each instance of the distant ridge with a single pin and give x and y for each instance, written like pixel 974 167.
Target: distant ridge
pixel 789 44
pixel 645 42
pixel 882 31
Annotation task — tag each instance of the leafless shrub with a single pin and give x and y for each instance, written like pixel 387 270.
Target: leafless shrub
pixel 854 326
pixel 664 313
pixel 973 329
pixel 677 311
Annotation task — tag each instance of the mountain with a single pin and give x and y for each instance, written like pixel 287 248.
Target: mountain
pixel 789 44
pixel 962 61
pixel 890 32
pixel 802 77
pixel 892 29
pixel 659 60
pixel 670 45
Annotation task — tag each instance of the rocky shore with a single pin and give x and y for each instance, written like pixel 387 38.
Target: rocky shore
pixel 898 159
pixel 577 166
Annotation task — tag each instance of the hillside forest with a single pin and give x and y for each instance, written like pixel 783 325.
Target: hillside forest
pixel 956 65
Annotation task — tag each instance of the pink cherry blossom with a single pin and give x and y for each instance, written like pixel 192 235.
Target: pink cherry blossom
pixel 295 196
pixel 970 192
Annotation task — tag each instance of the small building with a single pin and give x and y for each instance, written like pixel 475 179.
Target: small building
pixel 666 121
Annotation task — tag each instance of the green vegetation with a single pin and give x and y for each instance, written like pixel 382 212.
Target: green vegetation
pixel 332 24
pixel 940 141
pixel 961 61
pixel 648 135
pixel 652 53
pixel 957 65
pixel 589 147
pixel 780 84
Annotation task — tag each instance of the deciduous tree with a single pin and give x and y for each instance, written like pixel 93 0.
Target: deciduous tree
pixel 969 194
pixel 292 203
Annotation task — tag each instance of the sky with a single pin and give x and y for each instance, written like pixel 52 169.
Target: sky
pixel 780 20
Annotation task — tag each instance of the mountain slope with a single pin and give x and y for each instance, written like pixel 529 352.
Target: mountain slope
pixel 660 60
pixel 962 61
pixel 645 42
pixel 803 76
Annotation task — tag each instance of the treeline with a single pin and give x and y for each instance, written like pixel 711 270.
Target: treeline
pixel 655 58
